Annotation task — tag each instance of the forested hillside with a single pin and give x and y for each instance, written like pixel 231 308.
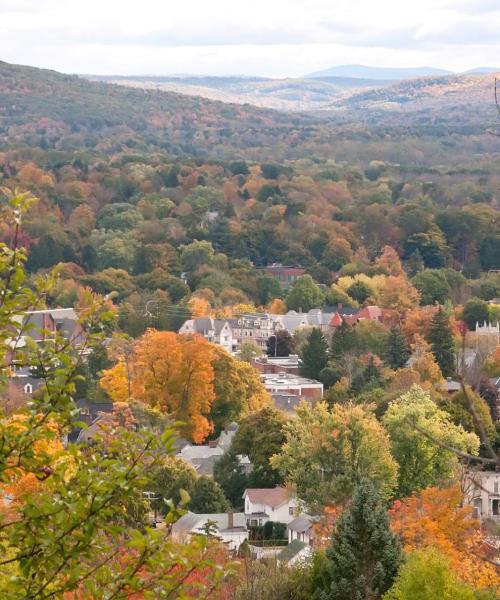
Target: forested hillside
pixel 49 110
pixel 126 214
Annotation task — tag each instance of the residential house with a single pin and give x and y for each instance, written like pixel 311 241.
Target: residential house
pixel 484 493
pixel 203 457
pixel 255 327
pixel 269 504
pixel 217 331
pixel 41 326
pixel 301 529
pixel 229 527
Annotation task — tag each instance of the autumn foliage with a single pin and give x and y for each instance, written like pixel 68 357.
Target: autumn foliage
pixel 193 381
pixel 437 517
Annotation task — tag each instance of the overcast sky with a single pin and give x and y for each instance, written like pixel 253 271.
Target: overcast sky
pixel 255 37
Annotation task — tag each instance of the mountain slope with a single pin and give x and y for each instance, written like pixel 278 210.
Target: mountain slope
pixel 289 94
pixel 39 107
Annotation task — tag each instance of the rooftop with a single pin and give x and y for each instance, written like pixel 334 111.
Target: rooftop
pixel 272 497
pixel 301 524
pixel 291 551
pixel 287 379
pixel 192 521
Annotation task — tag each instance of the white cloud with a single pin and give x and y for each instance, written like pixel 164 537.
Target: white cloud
pixel 268 37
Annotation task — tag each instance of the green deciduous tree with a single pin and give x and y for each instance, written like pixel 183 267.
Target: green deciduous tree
pixel 304 294
pixel 328 451
pixel 280 344
pixel 364 555
pixel 475 311
pixel 422 462
pixel 440 337
pixel 170 477
pixel 427 575
pixel 206 496
pixel 260 436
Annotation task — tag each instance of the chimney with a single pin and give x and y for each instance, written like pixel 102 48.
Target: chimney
pixel 230 520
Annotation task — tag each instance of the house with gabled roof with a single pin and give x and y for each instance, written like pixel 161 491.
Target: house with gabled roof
pixel 217 331
pixel 229 527
pixel 276 504
pixel 301 528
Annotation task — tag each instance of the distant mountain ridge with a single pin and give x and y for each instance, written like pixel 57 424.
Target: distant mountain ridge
pixel 382 73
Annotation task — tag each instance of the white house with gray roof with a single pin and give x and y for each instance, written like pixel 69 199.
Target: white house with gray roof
pixel 229 527
pixel 217 331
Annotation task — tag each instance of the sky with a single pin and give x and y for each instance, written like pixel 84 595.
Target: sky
pixel 273 38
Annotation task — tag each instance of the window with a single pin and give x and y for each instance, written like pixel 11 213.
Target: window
pixel 495 487
pixel 28 388
pixel 291 510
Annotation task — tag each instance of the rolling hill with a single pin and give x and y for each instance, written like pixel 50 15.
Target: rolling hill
pixel 417 120
pixel 289 94
pixel 42 108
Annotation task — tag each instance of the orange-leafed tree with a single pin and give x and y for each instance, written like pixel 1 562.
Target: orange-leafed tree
pixel 389 262
pixel 175 373
pixel 199 307
pixel 116 382
pixel 438 518
pixel 276 307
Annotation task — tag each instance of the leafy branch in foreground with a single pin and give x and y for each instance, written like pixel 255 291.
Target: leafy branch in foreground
pixel 68 526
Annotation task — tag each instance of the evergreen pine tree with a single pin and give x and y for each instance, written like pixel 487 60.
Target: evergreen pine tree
pixel 343 341
pixel 364 555
pixel 396 351
pixel 314 354
pixel 231 477
pixel 415 263
pixel 369 378
pixel 441 339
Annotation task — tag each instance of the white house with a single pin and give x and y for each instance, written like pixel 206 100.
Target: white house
pixel 484 493
pixel 269 504
pixel 230 527
pixel 217 331
pixel 301 529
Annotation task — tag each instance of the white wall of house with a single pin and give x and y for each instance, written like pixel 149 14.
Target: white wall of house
pixel 484 494
pixel 285 513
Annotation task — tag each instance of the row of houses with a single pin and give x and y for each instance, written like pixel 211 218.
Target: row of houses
pixel 259 327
